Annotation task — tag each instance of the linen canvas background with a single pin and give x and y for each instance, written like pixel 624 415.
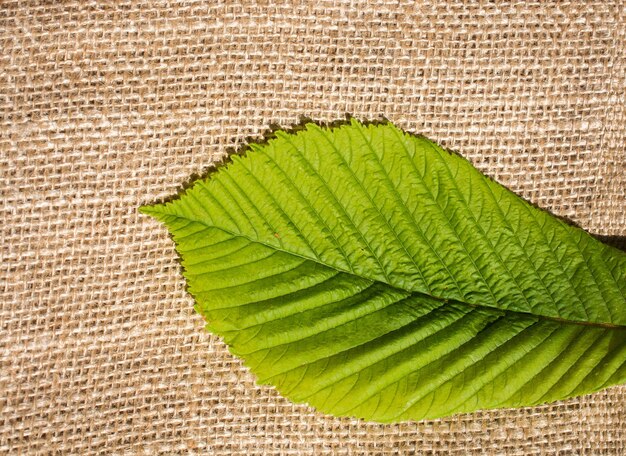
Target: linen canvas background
pixel 105 106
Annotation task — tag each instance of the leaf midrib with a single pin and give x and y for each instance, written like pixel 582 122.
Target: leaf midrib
pixel 155 211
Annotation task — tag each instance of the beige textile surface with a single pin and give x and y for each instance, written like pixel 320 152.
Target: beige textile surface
pixel 105 106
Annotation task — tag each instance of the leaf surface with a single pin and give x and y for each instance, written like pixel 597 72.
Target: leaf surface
pixel 371 273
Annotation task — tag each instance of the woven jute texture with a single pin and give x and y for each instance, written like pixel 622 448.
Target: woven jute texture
pixel 105 106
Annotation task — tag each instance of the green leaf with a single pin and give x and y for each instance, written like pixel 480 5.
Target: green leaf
pixel 371 273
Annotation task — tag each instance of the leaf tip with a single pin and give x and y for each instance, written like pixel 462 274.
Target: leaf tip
pixel 153 210
pixel 147 209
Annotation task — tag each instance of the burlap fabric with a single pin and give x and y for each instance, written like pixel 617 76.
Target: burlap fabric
pixel 104 107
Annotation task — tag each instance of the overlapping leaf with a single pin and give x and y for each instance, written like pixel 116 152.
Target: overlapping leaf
pixel 370 273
